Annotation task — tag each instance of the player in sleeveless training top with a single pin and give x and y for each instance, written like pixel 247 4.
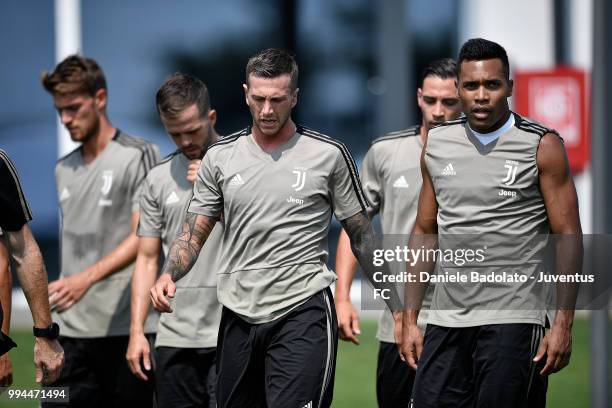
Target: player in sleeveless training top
pixel 492 172
pixel 98 185
pixel 185 345
pixel 391 179
pixel 274 187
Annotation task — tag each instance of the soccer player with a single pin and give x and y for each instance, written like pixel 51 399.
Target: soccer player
pixel 391 179
pixel 98 185
pixel 19 243
pixel 492 172
pixel 187 338
pixel 274 186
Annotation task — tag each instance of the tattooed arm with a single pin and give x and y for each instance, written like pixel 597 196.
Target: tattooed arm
pixel 363 243
pixel 181 256
pixel 185 249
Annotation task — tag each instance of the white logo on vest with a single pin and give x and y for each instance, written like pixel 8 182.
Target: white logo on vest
pixel 512 167
pixel 65 194
pixel 300 180
pixel 172 198
pixel 401 183
pixel 449 170
pixel 107 184
pixel 236 180
pixel 510 178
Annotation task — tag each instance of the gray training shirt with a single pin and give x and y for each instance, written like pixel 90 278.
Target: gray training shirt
pixel 97 201
pixel 163 205
pixel 391 179
pixel 488 191
pixel 277 209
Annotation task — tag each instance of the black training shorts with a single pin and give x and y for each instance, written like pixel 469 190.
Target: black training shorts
pixel 289 362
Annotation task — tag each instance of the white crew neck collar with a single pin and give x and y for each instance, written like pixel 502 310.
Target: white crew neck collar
pixel 486 138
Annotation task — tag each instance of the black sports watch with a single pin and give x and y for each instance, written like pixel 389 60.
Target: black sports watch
pixel 51 332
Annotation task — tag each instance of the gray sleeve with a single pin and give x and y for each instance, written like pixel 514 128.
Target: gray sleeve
pixel 156 155
pixel 137 173
pixel 151 217
pixel 149 158
pixel 345 188
pixel 372 182
pixel 207 196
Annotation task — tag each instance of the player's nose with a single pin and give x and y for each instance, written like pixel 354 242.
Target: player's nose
pixel 482 93
pixel 438 111
pixel 267 108
pixel 65 118
pixel 185 140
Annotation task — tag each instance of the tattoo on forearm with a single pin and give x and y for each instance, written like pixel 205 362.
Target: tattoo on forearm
pixel 361 234
pixel 363 243
pixel 186 247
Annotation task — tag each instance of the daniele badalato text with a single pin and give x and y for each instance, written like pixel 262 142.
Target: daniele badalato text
pixel 458 257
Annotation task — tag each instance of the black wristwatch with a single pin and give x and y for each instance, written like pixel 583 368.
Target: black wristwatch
pixel 51 332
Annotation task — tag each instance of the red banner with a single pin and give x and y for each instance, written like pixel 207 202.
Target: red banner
pixel 558 99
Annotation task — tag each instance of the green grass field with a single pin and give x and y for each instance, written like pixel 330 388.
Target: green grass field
pixel 356 370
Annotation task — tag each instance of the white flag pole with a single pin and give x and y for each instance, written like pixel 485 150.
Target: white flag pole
pixel 67 42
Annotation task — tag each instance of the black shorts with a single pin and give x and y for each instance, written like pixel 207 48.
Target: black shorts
pixel 394 378
pixel 185 377
pixel 289 362
pixel 97 375
pixel 482 366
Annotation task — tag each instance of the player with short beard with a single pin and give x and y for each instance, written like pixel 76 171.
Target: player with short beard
pixel 98 185
pixel 186 340
pixel 278 331
pixel 391 179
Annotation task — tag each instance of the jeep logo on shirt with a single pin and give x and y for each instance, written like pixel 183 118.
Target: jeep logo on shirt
pixel 507 193
pixel 293 200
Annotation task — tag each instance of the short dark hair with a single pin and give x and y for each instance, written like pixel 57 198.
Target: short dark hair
pixel 478 49
pixel 444 68
pixel 178 92
pixel 271 63
pixel 75 75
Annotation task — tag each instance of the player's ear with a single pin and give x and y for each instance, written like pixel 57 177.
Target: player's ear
pixel 294 97
pixel 510 87
pixel 420 97
pixel 246 91
pixel 100 99
pixel 212 116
